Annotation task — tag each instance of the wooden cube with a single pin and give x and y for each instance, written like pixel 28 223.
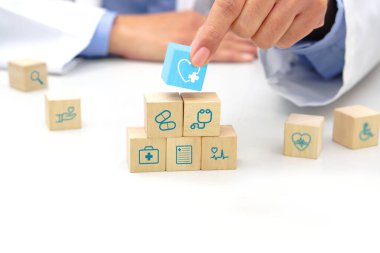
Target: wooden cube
pixel 27 74
pixel 63 111
pixel 201 114
pixel 183 153
pixel 145 154
pixel 220 153
pixel 356 127
pixel 163 114
pixel 303 136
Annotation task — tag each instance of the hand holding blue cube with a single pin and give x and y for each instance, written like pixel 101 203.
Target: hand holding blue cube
pixel 178 70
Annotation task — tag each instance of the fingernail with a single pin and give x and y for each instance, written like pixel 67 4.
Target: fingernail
pixel 247 57
pixel 200 58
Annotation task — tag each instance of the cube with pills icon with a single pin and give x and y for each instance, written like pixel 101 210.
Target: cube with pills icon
pixel 27 74
pixel 178 70
pixel 163 114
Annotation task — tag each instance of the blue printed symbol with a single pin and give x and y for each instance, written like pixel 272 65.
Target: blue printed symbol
pixel 162 119
pixel 35 76
pixel 66 116
pixel 215 156
pixel 301 140
pixel 178 70
pixel 184 154
pixel 149 155
pixel 366 133
pixel 204 117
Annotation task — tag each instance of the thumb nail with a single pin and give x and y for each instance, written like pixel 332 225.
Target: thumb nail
pixel 200 57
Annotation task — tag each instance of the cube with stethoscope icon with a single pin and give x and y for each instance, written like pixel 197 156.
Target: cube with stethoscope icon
pixel 27 74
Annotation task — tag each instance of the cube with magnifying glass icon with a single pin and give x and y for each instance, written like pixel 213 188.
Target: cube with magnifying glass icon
pixel 28 74
pixel 178 70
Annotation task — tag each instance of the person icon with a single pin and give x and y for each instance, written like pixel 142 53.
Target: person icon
pixel 66 116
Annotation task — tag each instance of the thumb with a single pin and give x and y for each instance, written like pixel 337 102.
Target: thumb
pixel 223 13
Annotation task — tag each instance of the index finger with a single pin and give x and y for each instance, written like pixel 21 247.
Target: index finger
pixel 223 13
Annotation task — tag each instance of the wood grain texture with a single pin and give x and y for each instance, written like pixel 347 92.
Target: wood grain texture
pixel 163 114
pixel 145 154
pixel 220 153
pixel 62 111
pixel 194 105
pixel 22 75
pixel 352 125
pixel 184 153
pixel 303 136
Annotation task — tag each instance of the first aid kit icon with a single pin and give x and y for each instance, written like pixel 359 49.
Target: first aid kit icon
pixel 149 155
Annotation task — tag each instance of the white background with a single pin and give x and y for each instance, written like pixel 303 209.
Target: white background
pixel 71 191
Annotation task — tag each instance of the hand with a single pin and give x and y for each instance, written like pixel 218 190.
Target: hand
pixel 145 37
pixel 265 22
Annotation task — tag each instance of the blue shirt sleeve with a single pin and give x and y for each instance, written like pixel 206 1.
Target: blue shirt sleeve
pixel 99 44
pixel 327 55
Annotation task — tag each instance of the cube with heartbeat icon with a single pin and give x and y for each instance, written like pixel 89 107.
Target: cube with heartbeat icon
pixel 178 70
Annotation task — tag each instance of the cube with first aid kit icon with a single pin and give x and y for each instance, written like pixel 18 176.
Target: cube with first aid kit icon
pixel 356 126
pixel 201 114
pixel 145 154
pixel 178 70
pixel 163 114
pixel 27 74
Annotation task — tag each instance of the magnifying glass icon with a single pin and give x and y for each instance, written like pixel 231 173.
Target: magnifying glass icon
pixel 35 76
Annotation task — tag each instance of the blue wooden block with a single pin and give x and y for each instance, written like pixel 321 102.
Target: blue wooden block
pixel 178 70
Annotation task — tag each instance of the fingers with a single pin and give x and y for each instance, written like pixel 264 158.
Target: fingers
pixel 275 25
pixel 206 42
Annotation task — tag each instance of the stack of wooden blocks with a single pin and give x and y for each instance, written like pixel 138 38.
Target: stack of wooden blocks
pixel 182 132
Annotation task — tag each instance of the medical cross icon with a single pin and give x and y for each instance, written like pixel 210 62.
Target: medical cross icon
pixel 193 77
pixel 148 156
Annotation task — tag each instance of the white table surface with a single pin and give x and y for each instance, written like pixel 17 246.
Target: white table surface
pixel 71 191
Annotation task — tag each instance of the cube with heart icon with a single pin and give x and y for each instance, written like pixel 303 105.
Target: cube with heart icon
pixel 356 126
pixel 178 70
pixel 303 136
pixel 220 152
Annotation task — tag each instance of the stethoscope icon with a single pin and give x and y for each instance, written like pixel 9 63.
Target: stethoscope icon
pixel 35 76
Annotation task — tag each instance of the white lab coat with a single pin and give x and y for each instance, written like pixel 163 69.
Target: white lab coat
pixel 29 30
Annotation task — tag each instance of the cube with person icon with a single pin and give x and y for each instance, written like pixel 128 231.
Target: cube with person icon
pixel 27 74
pixel 356 126
pixel 178 70
pixel 63 111
pixel 163 114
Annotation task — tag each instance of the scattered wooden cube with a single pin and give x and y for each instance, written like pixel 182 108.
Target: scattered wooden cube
pixel 183 153
pixel 220 153
pixel 27 74
pixel 163 114
pixel 178 70
pixel 356 127
pixel 145 154
pixel 303 136
pixel 201 114
pixel 63 111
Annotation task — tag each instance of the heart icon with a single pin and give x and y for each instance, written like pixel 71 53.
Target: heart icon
pixel 214 150
pixel 301 140
pixel 185 68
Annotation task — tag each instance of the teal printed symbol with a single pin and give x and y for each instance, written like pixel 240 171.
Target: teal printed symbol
pixel 301 140
pixel 162 119
pixel 184 154
pixel 214 151
pixel 149 155
pixel 366 133
pixel 204 117
pixel 35 76
pixel 66 116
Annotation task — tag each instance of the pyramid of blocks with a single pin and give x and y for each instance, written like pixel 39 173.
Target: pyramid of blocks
pixel 182 132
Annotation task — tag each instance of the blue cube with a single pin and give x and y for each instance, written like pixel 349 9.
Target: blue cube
pixel 178 70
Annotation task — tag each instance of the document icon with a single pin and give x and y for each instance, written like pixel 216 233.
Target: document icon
pixel 184 154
